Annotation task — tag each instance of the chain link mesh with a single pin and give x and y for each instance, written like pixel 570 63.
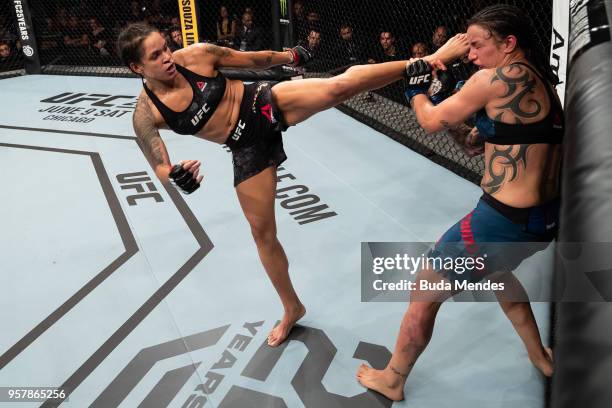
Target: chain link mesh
pixel 11 59
pixel 79 39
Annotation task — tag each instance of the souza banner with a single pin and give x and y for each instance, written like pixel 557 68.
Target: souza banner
pixel 189 21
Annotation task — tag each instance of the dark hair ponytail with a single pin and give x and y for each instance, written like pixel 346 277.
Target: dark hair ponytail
pixel 130 41
pixel 503 20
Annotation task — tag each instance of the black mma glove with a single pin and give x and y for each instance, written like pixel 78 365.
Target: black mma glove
pixel 418 79
pixel 301 55
pixel 448 83
pixel 183 179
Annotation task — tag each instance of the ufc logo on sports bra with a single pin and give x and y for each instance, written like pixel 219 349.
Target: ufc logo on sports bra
pixel 420 79
pixel 198 116
pixel 239 128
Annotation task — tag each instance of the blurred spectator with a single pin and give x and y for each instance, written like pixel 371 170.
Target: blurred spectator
pixel 387 50
pixel 313 20
pixel 9 60
pixel 5 52
pixel 419 50
pixel 75 36
pixel 135 14
pixel 226 28
pixel 101 38
pixel 176 39
pixel 6 35
pixel 154 15
pixel 348 51
pixel 50 38
pixel 313 41
pixel 61 19
pixel 439 37
pixel 249 37
pixel 320 61
pixel 300 24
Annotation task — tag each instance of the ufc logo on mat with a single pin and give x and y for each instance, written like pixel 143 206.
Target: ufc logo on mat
pixel 138 181
pixel 419 80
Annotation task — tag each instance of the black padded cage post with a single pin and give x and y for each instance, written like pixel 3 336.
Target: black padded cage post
pixel 281 24
pixel 583 333
pixel 26 36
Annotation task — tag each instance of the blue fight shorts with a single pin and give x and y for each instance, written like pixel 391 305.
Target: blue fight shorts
pixel 502 236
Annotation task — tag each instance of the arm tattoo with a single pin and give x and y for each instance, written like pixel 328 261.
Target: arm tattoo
pixel 521 79
pixel 216 50
pixel 269 58
pixel 509 166
pixel 148 135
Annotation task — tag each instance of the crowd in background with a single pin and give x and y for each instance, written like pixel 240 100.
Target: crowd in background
pixel 86 34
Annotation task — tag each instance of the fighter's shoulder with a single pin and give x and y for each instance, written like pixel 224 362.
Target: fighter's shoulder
pixel 482 76
pixel 145 109
pixel 488 79
pixel 195 53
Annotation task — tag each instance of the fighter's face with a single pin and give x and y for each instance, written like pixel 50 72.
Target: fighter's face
pixel 156 61
pixel 485 48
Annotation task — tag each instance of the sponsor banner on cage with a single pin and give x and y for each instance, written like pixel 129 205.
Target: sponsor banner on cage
pixel 468 271
pixel 559 43
pixel 189 21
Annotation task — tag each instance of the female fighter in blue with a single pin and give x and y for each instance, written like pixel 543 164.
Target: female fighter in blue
pixel 520 120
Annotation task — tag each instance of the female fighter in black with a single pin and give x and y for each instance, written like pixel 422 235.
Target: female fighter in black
pixel 184 91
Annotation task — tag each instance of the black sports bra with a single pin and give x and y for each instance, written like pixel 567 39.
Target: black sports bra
pixel 207 94
pixel 549 130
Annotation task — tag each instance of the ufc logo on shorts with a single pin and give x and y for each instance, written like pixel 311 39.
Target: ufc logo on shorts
pixel 419 80
pixel 239 128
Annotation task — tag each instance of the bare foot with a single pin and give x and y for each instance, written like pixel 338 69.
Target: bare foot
pixel 544 363
pixel 388 384
pixel 281 331
pixel 454 48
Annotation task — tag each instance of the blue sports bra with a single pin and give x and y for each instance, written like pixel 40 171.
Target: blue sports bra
pixel 549 130
pixel 207 94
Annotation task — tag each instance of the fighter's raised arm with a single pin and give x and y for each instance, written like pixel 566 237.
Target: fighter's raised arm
pixel 229 58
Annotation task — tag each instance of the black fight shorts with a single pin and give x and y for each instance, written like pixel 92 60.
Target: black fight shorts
pixel 256 142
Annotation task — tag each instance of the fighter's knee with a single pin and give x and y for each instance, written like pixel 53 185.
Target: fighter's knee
pixel 340 88
pixel 263 234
